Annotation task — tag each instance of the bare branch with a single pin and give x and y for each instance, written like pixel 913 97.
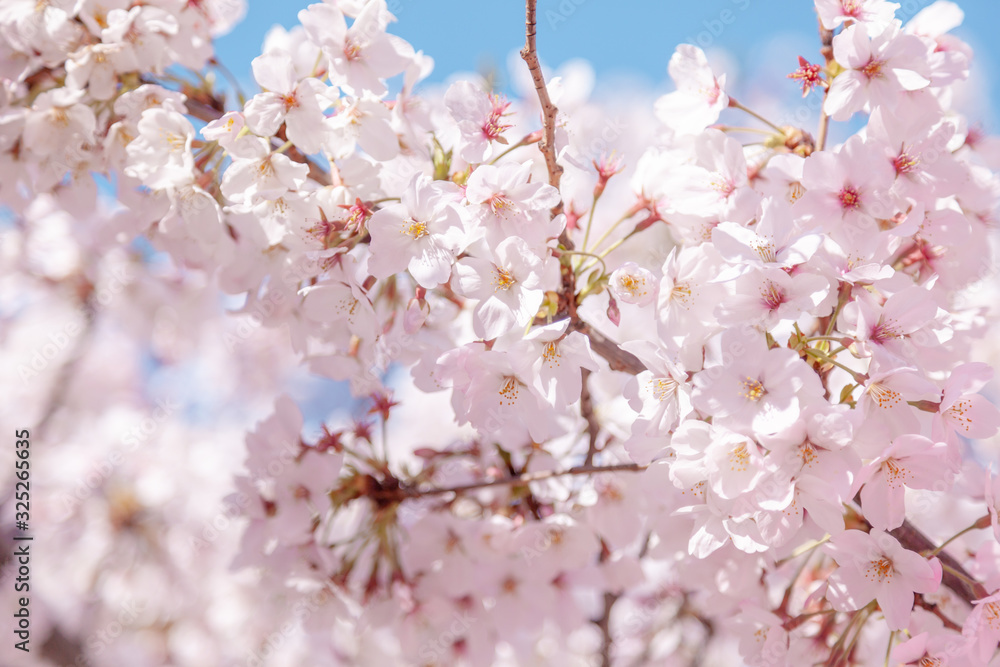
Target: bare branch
pixel 403 493
pixel 953 574
pixel 604 625
pixel 548 146
pixel 617 358
pixel 587 411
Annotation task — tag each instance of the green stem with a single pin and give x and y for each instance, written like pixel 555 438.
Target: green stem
pixel 736 105
pixel 841 302
pixel 582 253
pixel 523 142
pixel 736 128
pixel 628 214
pixel 974 526
pixel 590 221
pixel 813 352
pixel 960 575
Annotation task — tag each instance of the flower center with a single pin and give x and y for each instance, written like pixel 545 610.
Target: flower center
pixel 753 390
pixel 414 229
pixel 723 186
pixel 957 413
pixel 905 163
pixel 509 390
pixel 879 570
pixel 352 51
pixel 873 70
pixel 895 474
pixel 765 250
pixel 265 169
pixel 851 7
pixel 682 292
pixel 739 458
pixel 885 398
pixel 502 280
pixel 662 388
pixel 632 285
pixel 550 354
pixel 795 191
pixel 991 613
pixel 493 128
pixel 712 94
pixel 772 295
pixel 850 198
pixel 347 307
pixel 808 454
pixel 885 330
pixel 501 205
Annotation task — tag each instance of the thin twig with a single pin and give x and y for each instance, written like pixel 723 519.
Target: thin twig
pixel 826 37
pixel 548 146
pixel 402 493
pixel 587 411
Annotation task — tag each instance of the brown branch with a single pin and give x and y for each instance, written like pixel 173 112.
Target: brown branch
pixel 547 145
pixel 587 411
pixel 617 358
pixel 209 112
pixel 936 610
pixel 604 625
pixel 403 493
pixel 914 540
pixel 826 37
pixel 604 622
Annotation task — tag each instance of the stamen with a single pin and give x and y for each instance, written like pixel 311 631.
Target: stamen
pixel 753 390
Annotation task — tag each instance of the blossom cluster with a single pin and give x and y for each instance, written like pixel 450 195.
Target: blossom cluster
pixel 694 396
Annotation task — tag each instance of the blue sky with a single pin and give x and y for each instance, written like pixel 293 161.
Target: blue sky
pixel 626 41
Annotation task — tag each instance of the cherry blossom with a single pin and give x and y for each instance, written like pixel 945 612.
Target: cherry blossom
pixel 874 566
pixel 423 233
pixel 353 367
pixel 878 68
pixel 700 95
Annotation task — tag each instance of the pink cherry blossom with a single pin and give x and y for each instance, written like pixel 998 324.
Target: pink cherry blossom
pixel 510 287
pixel 423 233
pixel 874 566
pixel 700 95
pixel 910 461
pixel 878 68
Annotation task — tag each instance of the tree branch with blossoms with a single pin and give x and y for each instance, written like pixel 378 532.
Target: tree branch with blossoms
pixel 682 386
